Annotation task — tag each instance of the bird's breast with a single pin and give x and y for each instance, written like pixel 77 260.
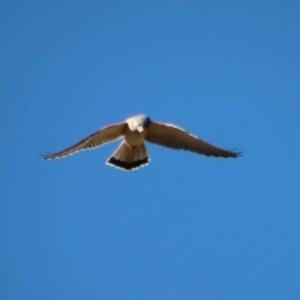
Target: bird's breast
pixel 134 138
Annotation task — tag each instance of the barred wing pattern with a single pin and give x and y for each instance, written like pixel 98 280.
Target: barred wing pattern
pixel 171 136
pixel 103 136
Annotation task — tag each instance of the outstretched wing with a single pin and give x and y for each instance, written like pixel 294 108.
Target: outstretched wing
pixel 171 136
pixel 99 138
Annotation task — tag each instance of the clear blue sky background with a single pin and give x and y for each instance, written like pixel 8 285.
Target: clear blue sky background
pixel 186 226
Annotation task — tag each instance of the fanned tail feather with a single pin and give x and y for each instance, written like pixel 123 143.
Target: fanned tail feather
pixel 127 158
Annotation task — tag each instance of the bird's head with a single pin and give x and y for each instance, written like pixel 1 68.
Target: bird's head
pixel 140 123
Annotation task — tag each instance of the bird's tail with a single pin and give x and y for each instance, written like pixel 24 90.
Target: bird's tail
pixel 128 158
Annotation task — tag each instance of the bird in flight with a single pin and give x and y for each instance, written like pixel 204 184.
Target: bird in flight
pixel 132 152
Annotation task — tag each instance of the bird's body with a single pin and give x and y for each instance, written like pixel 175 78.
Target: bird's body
pixel 132 152
pixel 134 138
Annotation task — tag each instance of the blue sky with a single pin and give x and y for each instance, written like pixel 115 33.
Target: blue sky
pixel 186 226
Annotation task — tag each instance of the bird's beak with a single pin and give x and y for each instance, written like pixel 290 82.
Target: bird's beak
pixel 140 128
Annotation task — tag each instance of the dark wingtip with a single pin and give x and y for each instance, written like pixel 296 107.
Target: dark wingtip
pixel 236 153
pixel 46 156
pixel 224 153
pixel 128 166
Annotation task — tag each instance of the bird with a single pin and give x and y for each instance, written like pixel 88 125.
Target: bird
pixel 132 153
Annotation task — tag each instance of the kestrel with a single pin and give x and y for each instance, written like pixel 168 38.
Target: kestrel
pixel 132 152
